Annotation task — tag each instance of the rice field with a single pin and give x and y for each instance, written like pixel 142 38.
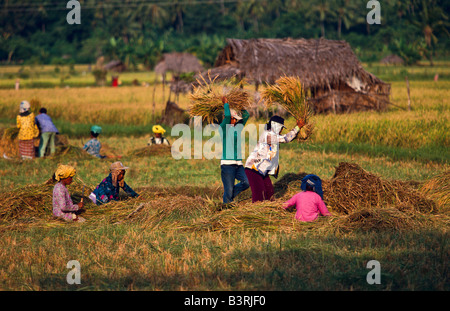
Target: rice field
pixel 177 235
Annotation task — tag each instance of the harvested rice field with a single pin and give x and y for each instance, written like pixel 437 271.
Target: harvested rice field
pixel 385 179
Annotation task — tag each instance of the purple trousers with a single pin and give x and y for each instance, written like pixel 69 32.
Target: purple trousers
pixel 261 186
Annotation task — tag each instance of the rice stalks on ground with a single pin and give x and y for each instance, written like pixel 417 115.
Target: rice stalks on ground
pixel 206 100
pixel 438 189
pixel 352 188
pixel 153 150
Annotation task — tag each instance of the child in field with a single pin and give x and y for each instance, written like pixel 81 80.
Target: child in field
pixel 63 206
pixel 93 146
pixel 308 203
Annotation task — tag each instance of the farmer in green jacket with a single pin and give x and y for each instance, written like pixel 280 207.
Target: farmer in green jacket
pixel 231 165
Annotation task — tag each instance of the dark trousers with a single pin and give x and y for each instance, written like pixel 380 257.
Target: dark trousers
pixel 261 186
pixel 229 174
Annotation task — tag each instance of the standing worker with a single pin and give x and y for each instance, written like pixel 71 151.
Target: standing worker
pixel 263 161
pixel 48 132
pixel 231 165
pixel 28 131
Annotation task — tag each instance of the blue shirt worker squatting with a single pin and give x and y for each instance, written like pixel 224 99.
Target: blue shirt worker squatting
pixel 231 165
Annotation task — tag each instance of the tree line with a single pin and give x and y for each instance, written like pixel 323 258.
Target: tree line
pixel 140 31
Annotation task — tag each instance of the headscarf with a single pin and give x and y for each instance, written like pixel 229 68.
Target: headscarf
pixel 96 129
pixel 24 106
pixel 64 171
pixel 158 129
pixel 115 169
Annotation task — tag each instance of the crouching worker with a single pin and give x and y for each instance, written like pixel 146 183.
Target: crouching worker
pixel 158 139
pixel 63 206
pixel 309 203
pixel 94 146
pixel 108 190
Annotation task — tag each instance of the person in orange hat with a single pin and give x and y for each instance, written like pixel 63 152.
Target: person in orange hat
pixel 108 190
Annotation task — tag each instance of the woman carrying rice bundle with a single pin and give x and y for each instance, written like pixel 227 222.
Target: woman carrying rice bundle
pixel 231 164
pixel 108 190
pixel 63 206
pixel 28 131
pixel 263 161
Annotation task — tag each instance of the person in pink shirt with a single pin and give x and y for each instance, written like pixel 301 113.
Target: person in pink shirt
pixel 309 205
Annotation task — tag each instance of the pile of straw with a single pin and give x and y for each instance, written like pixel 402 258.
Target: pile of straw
pixel 378 219
pixel 9 145
pixel 290 94
pixel 152 151
pixel 206 100
pixel 352 188
pixel 438 190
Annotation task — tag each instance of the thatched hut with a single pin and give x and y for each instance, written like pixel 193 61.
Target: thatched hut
pixel 392 60
pixel 115 66
pixel 178 63
pixel 327 68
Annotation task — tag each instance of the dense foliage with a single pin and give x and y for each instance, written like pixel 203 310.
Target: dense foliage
pixel 138 31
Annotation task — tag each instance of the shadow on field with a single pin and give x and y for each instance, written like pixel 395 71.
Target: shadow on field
pixel 294 264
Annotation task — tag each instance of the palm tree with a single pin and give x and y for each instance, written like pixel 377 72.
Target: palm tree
pixel 322 10
pixel 345 14
pixel 432 19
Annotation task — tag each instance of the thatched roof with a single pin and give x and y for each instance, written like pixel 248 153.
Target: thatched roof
pixel 317 62
pixel 178 63
pixel 115 65
pixel 393 59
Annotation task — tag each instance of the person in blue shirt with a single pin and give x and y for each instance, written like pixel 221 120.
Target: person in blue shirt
pixel 108 190
pixel 48 132
pixel 93 146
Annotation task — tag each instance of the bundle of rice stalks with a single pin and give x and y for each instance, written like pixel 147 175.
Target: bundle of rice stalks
pixel 377 219
pixel 264 216
pixel 206 100
pixel 174 212
pixel 289 93
pixel 70 151
pixel 352 188
pixel 153 150
pixel 438 190
pixel 9 146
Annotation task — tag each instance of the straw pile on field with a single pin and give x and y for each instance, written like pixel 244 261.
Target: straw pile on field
pixel 9 147
pixel 357 199
pixel 438 189
pixel 290 94
pixel 352 188
pixel 206 100
pixel 151 151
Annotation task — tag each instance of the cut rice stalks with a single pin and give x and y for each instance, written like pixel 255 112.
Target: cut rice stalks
pixel 207 103
pixel 290 94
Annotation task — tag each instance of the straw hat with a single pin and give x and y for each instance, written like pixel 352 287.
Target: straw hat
pixel 118 166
